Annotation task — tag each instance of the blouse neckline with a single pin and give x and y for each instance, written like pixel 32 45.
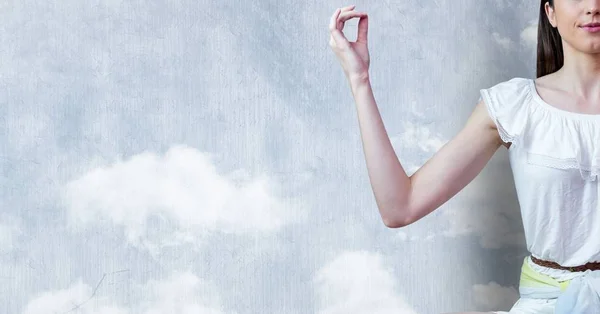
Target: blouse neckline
pixel 539 100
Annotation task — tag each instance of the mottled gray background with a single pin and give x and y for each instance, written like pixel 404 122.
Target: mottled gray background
pixel 205 157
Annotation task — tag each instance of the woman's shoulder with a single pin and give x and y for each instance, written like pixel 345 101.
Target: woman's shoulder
pixel 512 84
pixel 514 92
pixel 508 105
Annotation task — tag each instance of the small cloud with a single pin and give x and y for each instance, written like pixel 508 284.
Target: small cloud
pixel 529 35
pixel 430 237
pixel 173 199
pixel 358 282
pixel 61 301
pixel 180 293
pixel 504 42
pixel 415 108
pixel 494 297
pixel 415 136
pixel 402 236
pixel 419 136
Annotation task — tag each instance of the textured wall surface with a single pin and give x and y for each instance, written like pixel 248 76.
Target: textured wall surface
pixel 204 157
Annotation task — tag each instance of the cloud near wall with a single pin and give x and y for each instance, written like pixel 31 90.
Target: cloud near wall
pixel 174 199
pixel 358 282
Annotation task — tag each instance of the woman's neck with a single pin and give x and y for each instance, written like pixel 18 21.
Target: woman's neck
pixel 580 73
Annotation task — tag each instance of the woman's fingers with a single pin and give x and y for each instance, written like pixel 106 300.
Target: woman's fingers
pixel 344 16
pixel 337 37
pixel 333 19
pixel 336 25
pixel 363 29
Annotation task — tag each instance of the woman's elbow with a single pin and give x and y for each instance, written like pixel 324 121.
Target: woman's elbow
pixel 397 221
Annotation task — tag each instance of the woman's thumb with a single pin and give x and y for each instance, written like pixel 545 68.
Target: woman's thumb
pixel 336 33
pixel 340 39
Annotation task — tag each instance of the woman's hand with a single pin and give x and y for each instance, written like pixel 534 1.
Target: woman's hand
pixel 354 56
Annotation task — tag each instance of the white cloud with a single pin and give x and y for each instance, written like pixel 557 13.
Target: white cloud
pixel 402 236
pixel 63 300
pixel 358 282
pixel 493 296
pixel 180 192
pixel 419 136
pixel 529 35
pixel 504 42
pixel 180 293
pixel 407 234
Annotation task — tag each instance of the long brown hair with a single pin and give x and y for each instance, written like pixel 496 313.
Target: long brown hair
pixel 549 44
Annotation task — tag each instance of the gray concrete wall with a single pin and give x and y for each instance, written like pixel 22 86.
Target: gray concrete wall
pixel 205 157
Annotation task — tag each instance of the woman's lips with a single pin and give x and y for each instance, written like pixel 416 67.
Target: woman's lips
pixel 591 27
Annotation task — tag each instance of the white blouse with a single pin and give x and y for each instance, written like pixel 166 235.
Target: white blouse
pixel 555 159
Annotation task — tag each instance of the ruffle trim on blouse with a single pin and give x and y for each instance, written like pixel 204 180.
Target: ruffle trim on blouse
pixel 508 104
pixel 548 136
pixel 589 173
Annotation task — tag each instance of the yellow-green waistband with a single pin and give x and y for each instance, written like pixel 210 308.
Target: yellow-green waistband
pixel 537 285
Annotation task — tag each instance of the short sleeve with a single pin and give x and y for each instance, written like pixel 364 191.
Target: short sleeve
pixel 508 105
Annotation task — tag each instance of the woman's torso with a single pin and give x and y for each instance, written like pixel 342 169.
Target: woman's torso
pixel 555 159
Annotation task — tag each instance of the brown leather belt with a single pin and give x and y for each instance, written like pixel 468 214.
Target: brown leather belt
pixel 580 268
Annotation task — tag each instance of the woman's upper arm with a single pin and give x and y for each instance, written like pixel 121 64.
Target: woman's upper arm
pixel 454 166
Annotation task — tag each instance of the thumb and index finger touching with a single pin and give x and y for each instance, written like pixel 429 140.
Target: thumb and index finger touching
pixel 340 16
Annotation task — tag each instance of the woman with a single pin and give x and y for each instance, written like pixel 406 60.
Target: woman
pixel 551 127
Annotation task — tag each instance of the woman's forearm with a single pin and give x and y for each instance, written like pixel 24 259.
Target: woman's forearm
pixel 390 184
